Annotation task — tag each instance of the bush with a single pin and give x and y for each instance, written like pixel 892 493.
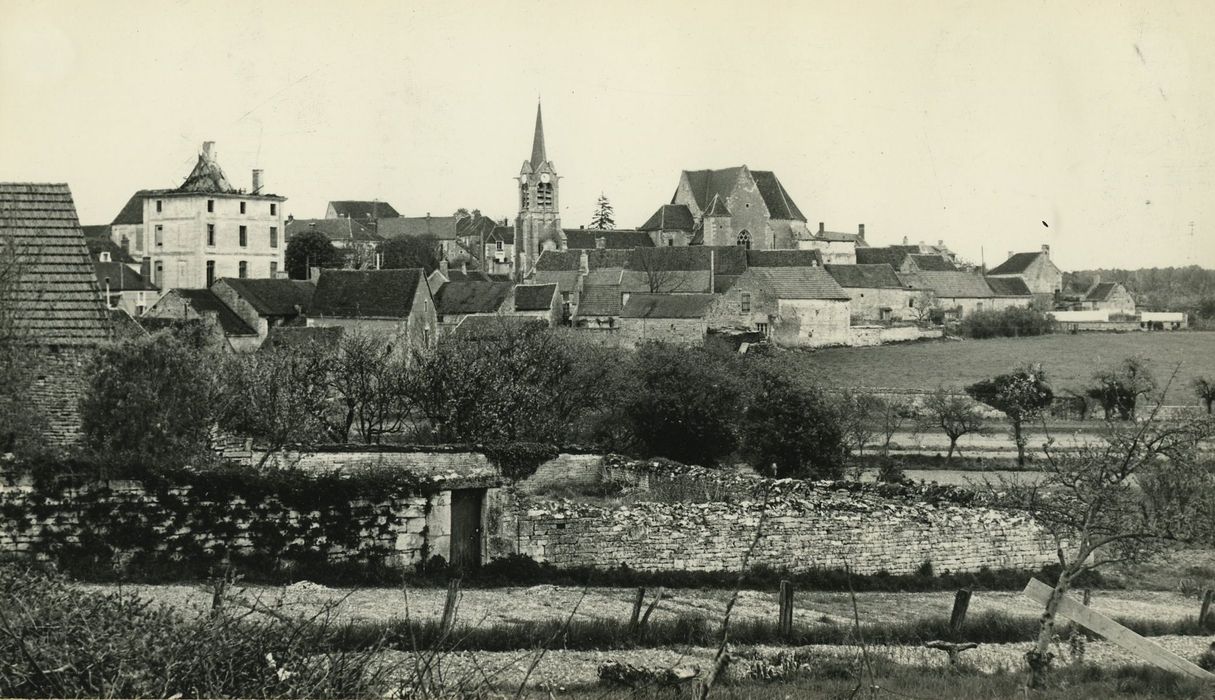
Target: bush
pixel 1007 323
pixel 62 642
pixel 790 429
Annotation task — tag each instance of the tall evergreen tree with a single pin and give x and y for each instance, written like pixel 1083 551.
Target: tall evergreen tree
pixel 602 220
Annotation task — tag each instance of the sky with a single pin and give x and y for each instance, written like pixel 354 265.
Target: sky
pixel 994 126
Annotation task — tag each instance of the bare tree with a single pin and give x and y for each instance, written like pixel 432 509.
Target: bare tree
pixel 954 415
pixel 892 413
pixel 925 303
pixel 857 411
pixel 1119 388
pixel 1119 497
pixel 1204 387
pixel 658 270
pixel 371 379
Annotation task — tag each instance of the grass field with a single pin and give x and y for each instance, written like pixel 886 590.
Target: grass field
pixel 1069 360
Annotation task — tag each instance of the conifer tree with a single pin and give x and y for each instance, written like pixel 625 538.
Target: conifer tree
pixel 602 219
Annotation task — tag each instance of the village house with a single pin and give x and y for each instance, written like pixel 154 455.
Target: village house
pixel 615 239
pixel 792 306
pixel 394 303
pixel 202 306
pixel 444 274
pixel 499 250
pixel 58 313
pixel 122 287
pixel 732 206
pixel 1109 296
pixel 680 319
pixel 960 293
pixel 357 242
pixel 875 293
pixel 265 304
pixel 366 212
pixel 453 233
pixel 905 258
pixel 836 248
pixel 539 301
pixel 457 299
pixel 568 269
pixel 1037 270
pixel 204 229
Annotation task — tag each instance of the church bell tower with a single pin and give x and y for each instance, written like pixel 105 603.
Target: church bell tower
pixel 538 226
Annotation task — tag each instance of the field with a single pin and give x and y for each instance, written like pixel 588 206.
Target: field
pixel 1069 360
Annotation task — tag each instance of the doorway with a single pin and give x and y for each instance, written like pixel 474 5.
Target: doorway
pixel 466 505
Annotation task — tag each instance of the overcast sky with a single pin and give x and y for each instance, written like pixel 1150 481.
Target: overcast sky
pixel 973 122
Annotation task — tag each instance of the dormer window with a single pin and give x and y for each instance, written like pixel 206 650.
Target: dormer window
pixel 105 256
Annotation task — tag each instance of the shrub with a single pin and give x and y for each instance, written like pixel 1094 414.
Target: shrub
pixel 1021 396
pixel 791 429
pixel 1007 323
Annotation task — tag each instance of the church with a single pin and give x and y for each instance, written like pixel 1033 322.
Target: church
pixel 538 225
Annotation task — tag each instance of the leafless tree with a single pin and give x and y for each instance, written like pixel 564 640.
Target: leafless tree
pixel 954 415
pixel 659 270
pixel 370 378
pixel 924 304
pixel 891 413
pixel 857 411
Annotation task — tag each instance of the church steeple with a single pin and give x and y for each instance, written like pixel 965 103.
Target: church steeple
pixel 538 155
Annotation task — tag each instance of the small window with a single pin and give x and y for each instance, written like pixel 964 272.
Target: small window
pixel 158 273
pixel 210 272
pixel 762 328
pixel 273 236
pixel 911 303
pixel 244 236
pixel 745 299
pixel 242 207
pixel 210 234
pixel 273 209
pixel 159 205
pixel 210 206
pixel 244 269
pixel 160 235
pixel 273 269
pixel 498 246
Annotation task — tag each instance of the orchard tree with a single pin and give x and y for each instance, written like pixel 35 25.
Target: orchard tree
pixel 790 430
pixel 369 378
pixel 603 219
pixel 309 249
pixel 1021 396
pixel 1121 496
pixel 1204 387
pixel 952 414
pixel 1120 388
pixel 857 411
pixel 421 251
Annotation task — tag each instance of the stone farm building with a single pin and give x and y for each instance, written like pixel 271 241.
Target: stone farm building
pixel 396 303
pixel 1037 270
pixel 52 314
pixel 203 229
pixel 875 292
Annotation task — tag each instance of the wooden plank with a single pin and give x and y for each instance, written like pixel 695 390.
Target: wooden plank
pixel 961 603
pixel 1145 649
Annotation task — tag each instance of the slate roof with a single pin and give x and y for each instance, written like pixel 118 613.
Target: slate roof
pixel 366 293
pixel 441 227
pixel 271 297
pixel 534 297
pixel 1099 292
pixel 122 278
pixel 363 210
pixel 1015 265
pixel 464 297
pixel 717 207
pixel 666 281
pixel 865 276
pixel 506 234
pixel 933 263
pixel 566 280
pixel 488 327
pixel 727 260
pixel 97 246
pixel 96 231
pixel 1008 287
pixel 969 285
pixel 705 184
pixel 670 217
pixel 205 302
pixel 301 336
pixel 784 258
pixel 124 325
pixel 132 211
pixel 568 260
pixel 892 255
pixel 599 300
pixel 587 239
pixel 667 305
pixel 333 229
pixel 798 282
pixel 56 298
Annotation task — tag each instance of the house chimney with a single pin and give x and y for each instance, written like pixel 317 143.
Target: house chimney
pixel 822 228
pixel 464 266
pixel 584 263
pixel 712 270
pixel 444 268
pixel 860 230
pixel 940 242
pixel 257 181
pixel 126 244
pixel 1046 250
pixel 207 150
pixel 904 240
pixel 145 268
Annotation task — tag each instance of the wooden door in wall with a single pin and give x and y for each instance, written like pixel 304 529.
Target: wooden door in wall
pixel 466 529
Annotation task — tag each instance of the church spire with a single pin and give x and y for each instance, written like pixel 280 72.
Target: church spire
pixel 538 155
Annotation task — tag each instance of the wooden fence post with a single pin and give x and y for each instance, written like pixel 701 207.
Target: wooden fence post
pixel 786 609
pixel 449 607
pixel 1205 610
pixel 636 616
pixel 961 603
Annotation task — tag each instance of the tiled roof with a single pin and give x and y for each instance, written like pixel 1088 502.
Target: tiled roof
pixel 1008 287
pixel 933 263
pixel 587 239
pixel 469 276
pixel 475 226
pixel 97 246
pixel 727 260
pixel 455 298
pixel 121 278
pixel 506 234
pixel 366 293
pixel 670 217
pixel 301 336
pixel 667 305
pixel 333 229
pixel 566 280
pixel 892 255
pixel 798 282
pixel 493 326
pixel 270 297
pixel 441 227
pixel 839 237
pixel 705 184
pixel 968 285
pixel 56 298
pixel 784 258
pixel 534 297
pixel 557 260
pixel 717 207
pixel 205 301
pixel 96 231
pixel 1015 265
pixel 363 210
pixel 599 300
pixel 124 325
pixel 866 276
pixel 132 211
pixel 663 281
pixel 1099 292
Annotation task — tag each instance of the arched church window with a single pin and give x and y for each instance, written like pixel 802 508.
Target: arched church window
pixel 744 239
pixel 544 194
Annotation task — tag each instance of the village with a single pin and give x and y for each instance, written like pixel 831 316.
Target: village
pixel 307 391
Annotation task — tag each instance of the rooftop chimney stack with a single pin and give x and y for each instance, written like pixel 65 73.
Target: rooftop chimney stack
pixel 208 150
pixel 1010 253
pixel 444 268
pixel 904 240
pixel 821 228
pixel 1046 249
pixel 860 230
pixel 257 181
pixel 584 263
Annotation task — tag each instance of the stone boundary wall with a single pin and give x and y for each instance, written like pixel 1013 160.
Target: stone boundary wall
pixel 799 534
pixel 866 336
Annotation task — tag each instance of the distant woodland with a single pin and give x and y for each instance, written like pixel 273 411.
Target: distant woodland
pixel 1190 289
